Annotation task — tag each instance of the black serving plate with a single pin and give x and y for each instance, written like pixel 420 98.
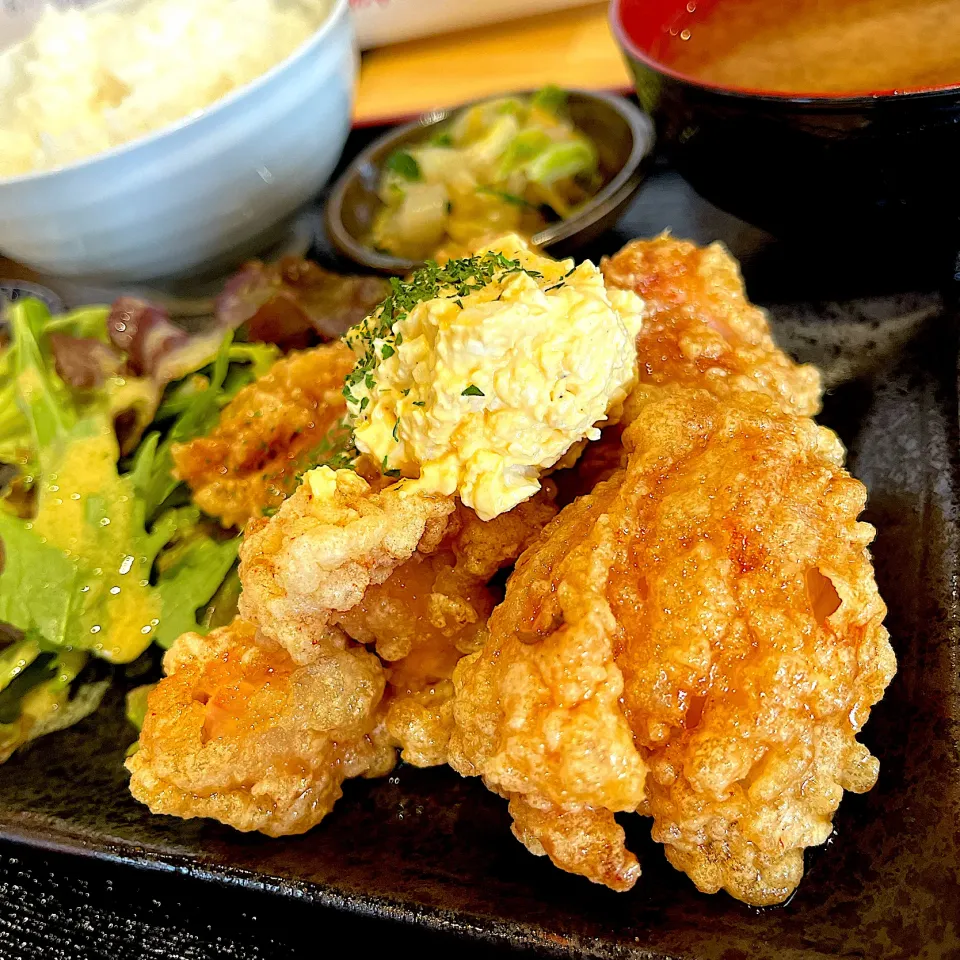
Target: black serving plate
pixel 433 852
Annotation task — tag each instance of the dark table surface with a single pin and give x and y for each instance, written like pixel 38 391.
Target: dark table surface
pixel 55 906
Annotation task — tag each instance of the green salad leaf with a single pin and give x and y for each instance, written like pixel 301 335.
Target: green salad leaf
pixel 41 692
pixel 15 437
pixel 105 555
pixel 16 441
pixel 136 704
pixel 222 607
pixel 86 322
pixel 191 570
pixel 78 572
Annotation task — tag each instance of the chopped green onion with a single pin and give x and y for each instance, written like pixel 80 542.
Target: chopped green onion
pixel 550 98
pixel 404 165
pixel 506 197
pixel 562 160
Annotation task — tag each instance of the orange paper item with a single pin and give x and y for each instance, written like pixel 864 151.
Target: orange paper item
pixel 571 48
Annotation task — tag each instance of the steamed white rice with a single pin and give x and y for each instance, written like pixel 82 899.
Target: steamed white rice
pixel 89 80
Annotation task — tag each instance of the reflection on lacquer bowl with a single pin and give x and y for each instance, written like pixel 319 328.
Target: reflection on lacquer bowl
pixel 201 194
pixel 808 119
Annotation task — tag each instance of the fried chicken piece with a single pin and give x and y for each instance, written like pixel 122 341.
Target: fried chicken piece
pixel 267 435
pixel 406 573
pixel 421 620
pixel 700 330
pixel 538 713
pixel 756 645
pixel 440 599
pixel 420 723
pixel 327 544
pixel 734 598
pixel 580 840
pixel 240 733
pixel 431 611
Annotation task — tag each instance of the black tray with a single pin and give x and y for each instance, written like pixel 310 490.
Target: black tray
pixel 433 851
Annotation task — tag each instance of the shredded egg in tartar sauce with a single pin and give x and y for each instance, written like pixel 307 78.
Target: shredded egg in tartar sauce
pixel 474 377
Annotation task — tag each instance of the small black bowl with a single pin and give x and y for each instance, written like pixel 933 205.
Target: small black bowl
pixel 875 169
pixel 624 139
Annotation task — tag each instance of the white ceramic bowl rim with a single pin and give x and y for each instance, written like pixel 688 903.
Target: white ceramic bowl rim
pixel 337 10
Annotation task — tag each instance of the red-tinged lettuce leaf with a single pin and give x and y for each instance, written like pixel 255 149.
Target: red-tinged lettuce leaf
pixel 84 363
pixel 296 303
pixel 94 373
pixel 155 347
pixel 144 333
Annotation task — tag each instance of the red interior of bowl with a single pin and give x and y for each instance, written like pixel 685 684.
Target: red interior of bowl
pixel 649 24
pixel 646 29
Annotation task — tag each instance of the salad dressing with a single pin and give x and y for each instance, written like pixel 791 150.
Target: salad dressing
pixel 86 509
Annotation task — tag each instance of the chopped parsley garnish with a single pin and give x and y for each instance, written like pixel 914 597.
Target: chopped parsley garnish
pixel 473 391
pixel 404 165
pixel 336 450
pixel 419 403
pixel 344 460
pixel 455 279
pixel 562 280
